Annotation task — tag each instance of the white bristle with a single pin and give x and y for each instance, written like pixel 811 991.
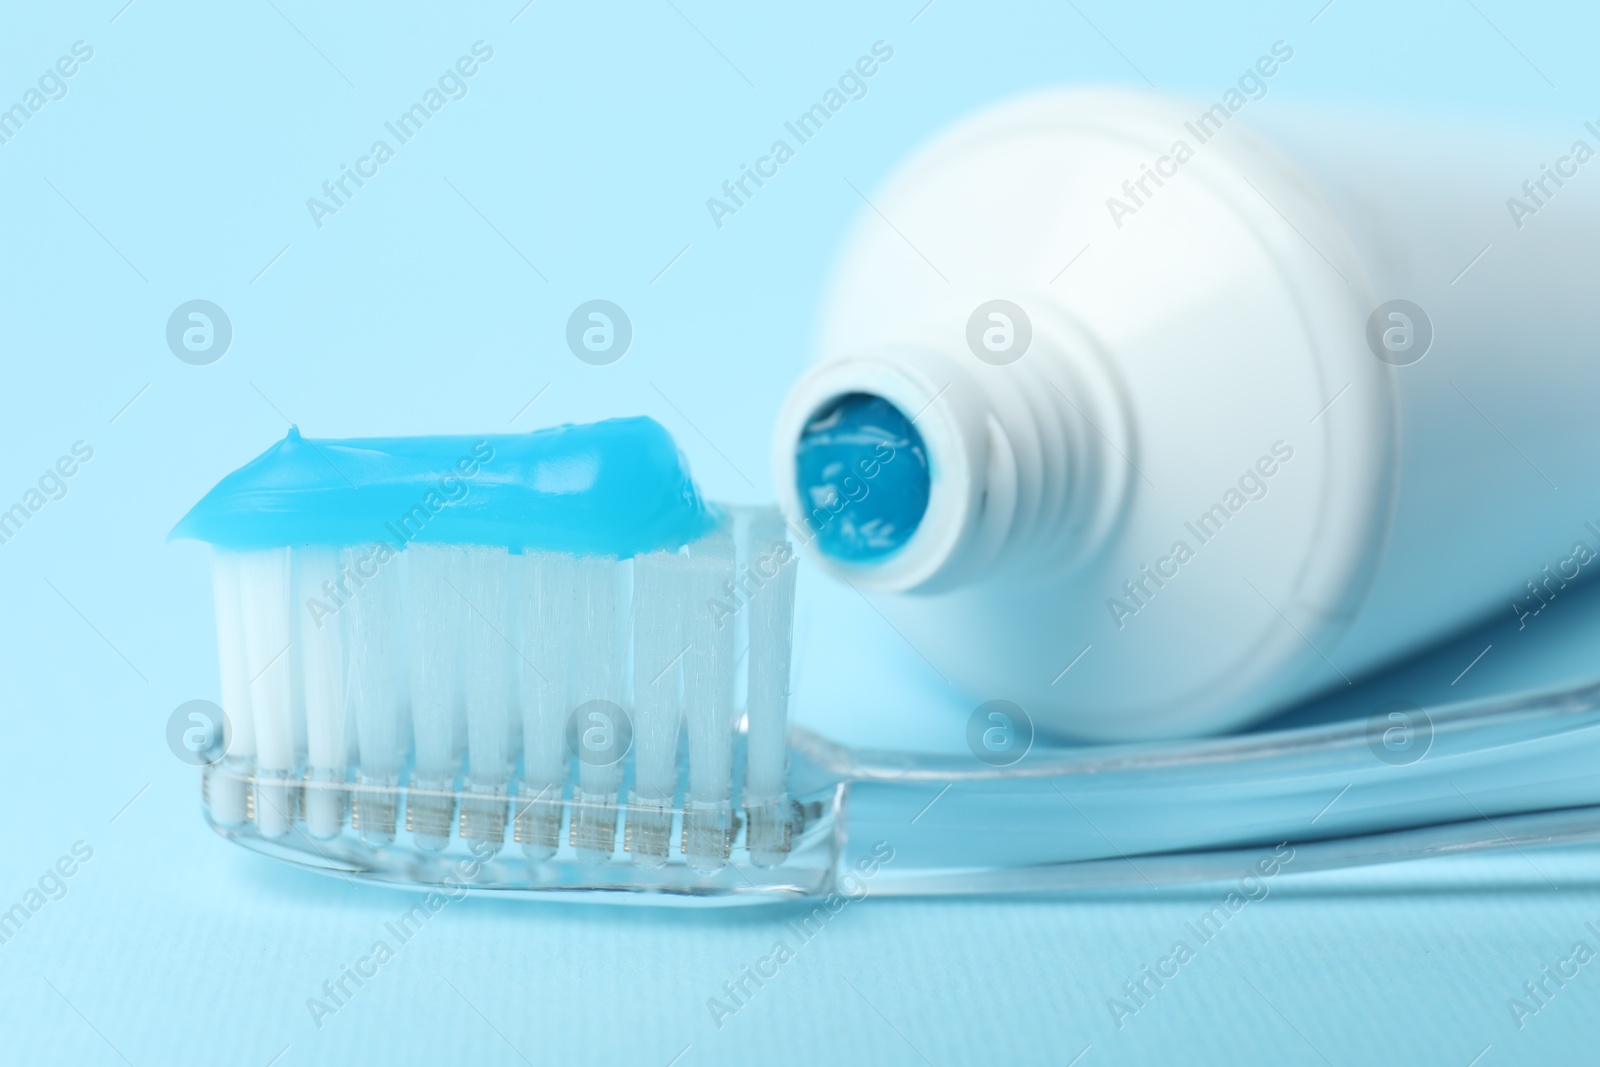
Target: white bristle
pixel 228 802
pixel 471 664
pixel 487 663
pixel 597 684
pixel 487 677
pixel 660 604
pixel 319 644
pixel 546 584
pixel 297 703
pixel 708 702
pixel 374 639
pixel 769 585
pixel 264 601
pixel 436 616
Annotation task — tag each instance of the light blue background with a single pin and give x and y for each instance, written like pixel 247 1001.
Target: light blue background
pixel 178 166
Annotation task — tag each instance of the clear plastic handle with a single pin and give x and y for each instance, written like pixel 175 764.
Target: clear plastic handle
pixel 1503 773
pixel 1405 784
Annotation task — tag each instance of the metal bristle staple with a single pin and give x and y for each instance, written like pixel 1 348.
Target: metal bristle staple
pixel 538 822
pixel 648 832
pixel 430 809
pixel 594 825
pixel 373 811
pixel 484 817
pixel 709 831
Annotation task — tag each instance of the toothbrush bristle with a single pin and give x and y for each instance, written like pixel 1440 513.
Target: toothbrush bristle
pixel 372 616
pixel 265 622
pixel 320 663
pixel 771 641
pixel 435 624
pixel 708 704
pixel 660 586
pixel 229 799
pixel 573 705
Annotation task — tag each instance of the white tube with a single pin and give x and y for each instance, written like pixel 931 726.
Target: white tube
pixel 1199 375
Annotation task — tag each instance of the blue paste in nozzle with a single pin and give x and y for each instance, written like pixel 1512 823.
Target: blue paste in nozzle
pixel 613 488
pixel 861 470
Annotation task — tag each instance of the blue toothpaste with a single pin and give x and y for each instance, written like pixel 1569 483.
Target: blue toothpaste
pixel 862 474
pixel 613 488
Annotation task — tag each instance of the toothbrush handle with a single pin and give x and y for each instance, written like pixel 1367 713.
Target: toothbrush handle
pixel 1405 784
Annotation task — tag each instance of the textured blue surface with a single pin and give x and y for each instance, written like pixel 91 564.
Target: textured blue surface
pixel 861 471
pixel 616 487
pixel 577 166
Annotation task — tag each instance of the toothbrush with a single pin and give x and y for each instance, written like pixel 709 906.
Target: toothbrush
pixel 1491 774
pixel 512 613
pixel 677 797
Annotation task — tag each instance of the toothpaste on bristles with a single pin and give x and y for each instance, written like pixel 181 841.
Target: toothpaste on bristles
pixel 483 642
